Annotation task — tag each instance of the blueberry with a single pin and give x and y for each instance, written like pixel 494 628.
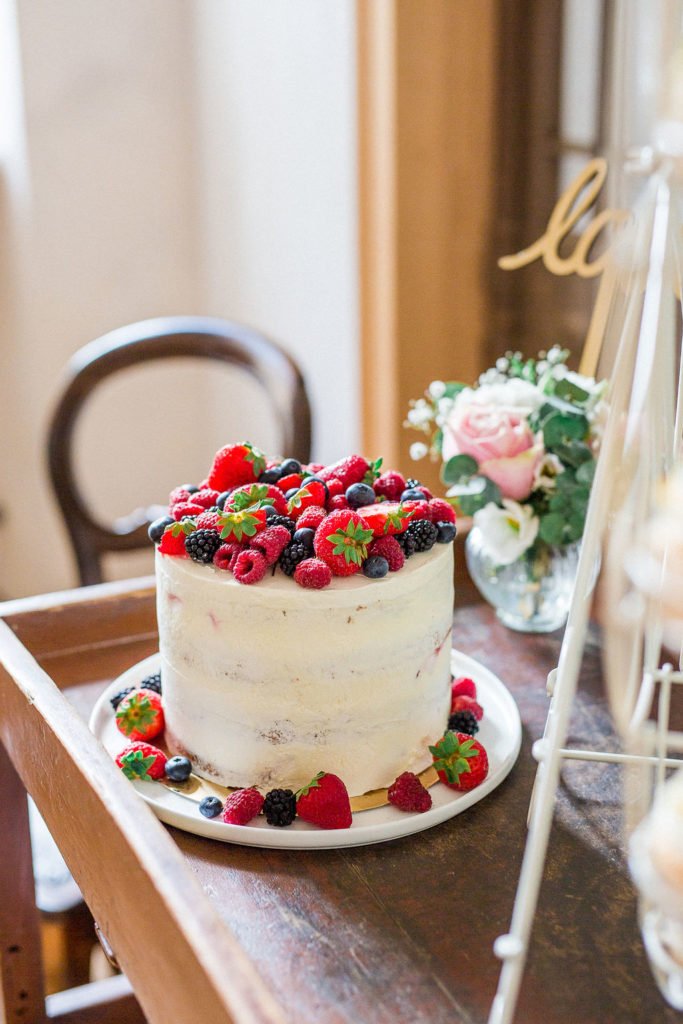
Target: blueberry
pixel 290 466
pixel 191 488
pixel 156 529
pixel 307 479
pixel 304 536
pixel 446 532
pixel 375 567
pixel 222 498
pixel 271 476
pixel 358 495
pixel 210 807
pixel 270 511
pixel 412 494
pixel 178 769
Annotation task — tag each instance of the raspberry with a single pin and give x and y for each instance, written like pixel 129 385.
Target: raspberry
pixel 207 497
pixel 425 490
pixel 389 548
pixel 464 687
pixel 226 555
pixel 390 485
pixel 142 761
pixel 311 518
pixel 249 567
pixel 242 806
pixel 202 545
pixel 272 542
pixel 464 721
pixel 186 508
pixel 180 494
pixel 313 468
pixel 408 794
pixel 208 521
pixel 462 703
pixel 424 534
pixel 440 511
pixel 313 573
pixel 337 502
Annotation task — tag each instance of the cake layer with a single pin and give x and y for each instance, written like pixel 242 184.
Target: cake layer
pixel 266 685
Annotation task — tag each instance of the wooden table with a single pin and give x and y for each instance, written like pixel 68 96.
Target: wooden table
pixel 402 931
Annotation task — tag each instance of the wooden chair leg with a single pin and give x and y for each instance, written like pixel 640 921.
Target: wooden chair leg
pixel 22 995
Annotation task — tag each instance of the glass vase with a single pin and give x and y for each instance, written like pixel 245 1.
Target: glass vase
pixel 532 594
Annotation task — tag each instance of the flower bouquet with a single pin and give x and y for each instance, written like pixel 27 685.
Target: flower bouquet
pixel 518 455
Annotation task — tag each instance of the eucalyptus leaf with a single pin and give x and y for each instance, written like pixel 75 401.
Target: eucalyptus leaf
pixel 567 390
pixel 575 525
pixel 551 528
pixel 459 469
pixel 586 472
pixel 453 388
pixel 562 428
pixel 574 454
pixel 478 492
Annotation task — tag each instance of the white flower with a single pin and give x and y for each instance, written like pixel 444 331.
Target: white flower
pixel 547 472
pixel 418 450
pixel 511 393
pixel 436 389
pixel 506 532
pixel 421 414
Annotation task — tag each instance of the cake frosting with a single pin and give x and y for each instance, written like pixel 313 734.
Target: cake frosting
pixel 266 685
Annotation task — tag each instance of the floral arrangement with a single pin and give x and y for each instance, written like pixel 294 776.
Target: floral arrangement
pixel 517 450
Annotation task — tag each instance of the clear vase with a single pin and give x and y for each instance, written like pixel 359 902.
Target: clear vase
pixel 532 594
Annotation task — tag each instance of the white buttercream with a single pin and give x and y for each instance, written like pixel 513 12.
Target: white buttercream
pixel 268 684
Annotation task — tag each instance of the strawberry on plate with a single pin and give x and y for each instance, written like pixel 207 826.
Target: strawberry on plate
pixel 460 761
pixel 140 715
pixel 142 761
pixel 341 540
pixel 324 802
pixel 388 517
pixel 235 464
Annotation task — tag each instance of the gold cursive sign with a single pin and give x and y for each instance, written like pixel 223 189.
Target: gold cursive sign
pixel 577 199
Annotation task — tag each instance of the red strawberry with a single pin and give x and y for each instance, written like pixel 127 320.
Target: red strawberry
pixel 140 715
pixel 389 548
pixel 324 802
pixel 241 806
pixel 408 794
pixel 463 686
pixel 142 761
pixel 266 494
pixel 272 542
pixel 388 517
pixel 185 508
pixel 249 567
pixel 207 497
pixel 313 573
pixel 460 761
pixel 313 468
pixel 311 518
pixel 390 485
pixel 337 503
pixel 173 538
pixel 440 511
pixel 463 703
pixel 334 488
pixel 341 541
pixel 239 524
pixel 286 483
pixel 235 464
pixel 310 495
pixel 226 555
pixel 350 470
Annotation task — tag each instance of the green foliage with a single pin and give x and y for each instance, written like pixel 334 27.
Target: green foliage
pixel 459 469
pixel 476 493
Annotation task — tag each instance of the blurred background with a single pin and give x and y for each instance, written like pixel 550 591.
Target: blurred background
pixel 342 175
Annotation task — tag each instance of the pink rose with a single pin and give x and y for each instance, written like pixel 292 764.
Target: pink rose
pixel 500 441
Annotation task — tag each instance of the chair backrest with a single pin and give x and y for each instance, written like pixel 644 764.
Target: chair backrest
pixel 148 340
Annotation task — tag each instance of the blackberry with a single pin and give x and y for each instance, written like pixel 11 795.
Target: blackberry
pixel 292 555
pixel 202 545
pixel 279 520
pixel 152 682
pixel 464 721
pixel 423 533
pixel 279 807
pixel 118 697
pixel 407 543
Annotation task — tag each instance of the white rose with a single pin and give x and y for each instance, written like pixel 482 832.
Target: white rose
pixel 506 532
pixel 514 393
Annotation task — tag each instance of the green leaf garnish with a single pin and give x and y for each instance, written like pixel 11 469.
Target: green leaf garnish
pixel 373 471
pixel 186 526
pixel 313 784
pixel 451 756
pixel 351 542
pixel 135 766
pixel 239 523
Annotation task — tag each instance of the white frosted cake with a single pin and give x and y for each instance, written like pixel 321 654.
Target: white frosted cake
pixel 304 620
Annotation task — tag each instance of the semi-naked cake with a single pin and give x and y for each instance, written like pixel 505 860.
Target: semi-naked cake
pixel 301 630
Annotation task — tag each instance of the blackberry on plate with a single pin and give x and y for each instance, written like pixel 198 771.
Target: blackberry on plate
pixel 280 520
pixel 202 545
pixel 152 682
pixel 279 807
pixel 118 697
pixel 464 721
pixel 423 533
pixel 292 555
pixel 407 542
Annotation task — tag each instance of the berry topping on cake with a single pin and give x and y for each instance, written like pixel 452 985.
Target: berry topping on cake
pixel 278 520
pixel 263 494
pixel 142 761
pixel 271 475
pixel 463 686
pixel 290 482
pixel 313 573
pixel 375 567
pixel 341 540
pixel 358 495
pixel 335 489
pixel 460 761
pixel 207 497
pixel 238 524
pixel 226 555
pixel 279 807
pixel 440 511
pixel 389 548
pixel 445 532
pixel 407 543
pixel 288 466
pixel 305 535
pixel 294 553
pixel 118 697
pixel 181 494
pixel 464 721
pixel 155 530
pixel 423 533
pixel 202 545
pixel 350 470
pixel 249 566
pixel 325 802
pixel 152 682
pixel 208 520
pixel 173 539
pixel 186 509
pixel 390 485
pixel 408 794
pixel 337 502
pixel 242 806
pixel 140 716
pixel 210 807
pixel 413 494
pixel 387 517
pixel 272 542
pixel 236 464
pixel 463 703
pixel 178 768
pixel 311 518
pixel 313 493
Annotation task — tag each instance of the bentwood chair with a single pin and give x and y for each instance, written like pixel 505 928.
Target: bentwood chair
pixel 149 340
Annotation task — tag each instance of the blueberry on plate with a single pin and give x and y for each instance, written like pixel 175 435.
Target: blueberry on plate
pixel 210 807
pixel 178 769
pixel 155 530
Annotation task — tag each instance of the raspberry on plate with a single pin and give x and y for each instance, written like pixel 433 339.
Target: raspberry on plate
pixel 324 802
pixel 140 715
pixel 462 703
pixel 241 806
pixel 341 541
pixel 463 686
pixel 461 762
pixel 408 794
pixel 142 761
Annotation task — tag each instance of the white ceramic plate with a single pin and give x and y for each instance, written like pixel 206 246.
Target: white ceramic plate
pixel 500 732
